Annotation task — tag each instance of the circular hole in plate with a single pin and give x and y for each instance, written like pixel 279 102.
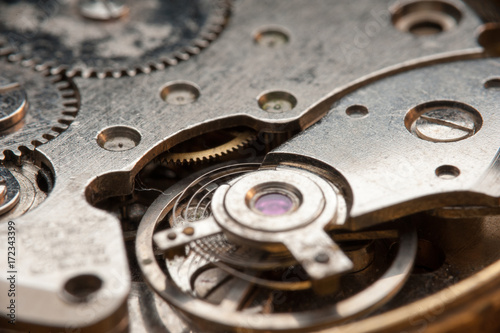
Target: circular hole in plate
pixel 493 83
pixel 357 111
pixel 423 18
pixel 426 28
pixel 277 101
pixel 180 93
pixel 272 37
pixel 118 138
pixel 447 172
pixel 81 287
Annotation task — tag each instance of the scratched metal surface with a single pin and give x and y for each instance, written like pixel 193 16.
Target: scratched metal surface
pixel 332 46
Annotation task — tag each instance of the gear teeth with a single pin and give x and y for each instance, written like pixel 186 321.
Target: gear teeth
pixel 70 102
pixel 4 51
pixel 15 57
pixel 73 72
pixel 68 93
pixel 181 55
pixel 201 43
pixel 70 111
pixel 210 36
pixel 67 111
pixel 58 70
pixel 169 61
pixel 39 67
pixel 241 139
pixel 131 72
pixel 216 24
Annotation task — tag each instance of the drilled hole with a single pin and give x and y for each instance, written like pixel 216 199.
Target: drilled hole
pixel 357 111
pixel 180 93
pixel 447 172
pixel 277 102
pixel 81 287
pixel 423 18
pixel 492 83
pixel 426 28
pixel 118 138
pixel 272 37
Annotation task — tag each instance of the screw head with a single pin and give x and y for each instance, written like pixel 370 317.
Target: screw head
pixel 443 121
pixel 445 125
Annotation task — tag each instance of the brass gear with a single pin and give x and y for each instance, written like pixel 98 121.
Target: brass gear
pixel 217 144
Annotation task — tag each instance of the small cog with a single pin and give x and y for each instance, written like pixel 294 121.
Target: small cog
pixel 209 147
pixel 109 38
pixel 35 107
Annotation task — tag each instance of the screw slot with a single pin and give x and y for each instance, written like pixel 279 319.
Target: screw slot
pixel 443 121
pixel 180 93
pixel 277 101
pixel 422 18
pixel 118 138
pixel 447 172
pixel 81 287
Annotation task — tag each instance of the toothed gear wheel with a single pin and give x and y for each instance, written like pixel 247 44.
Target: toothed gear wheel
pixel 107 38
pixel 35 107
pixel 220 143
